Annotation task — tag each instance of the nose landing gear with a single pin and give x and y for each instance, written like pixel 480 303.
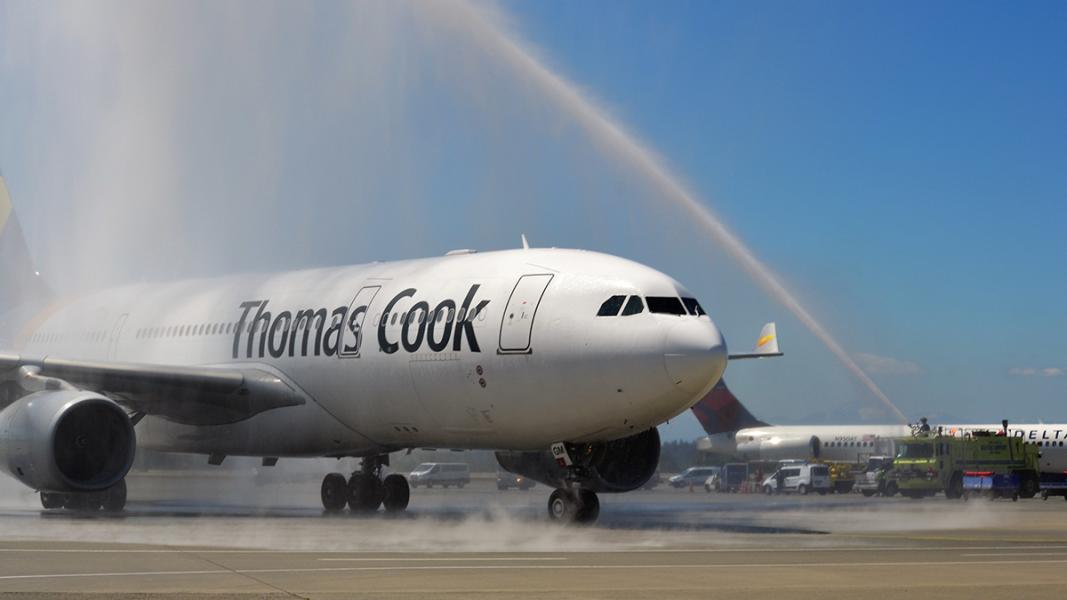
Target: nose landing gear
pixel 365 491
pixel 574 506
pixel 571 504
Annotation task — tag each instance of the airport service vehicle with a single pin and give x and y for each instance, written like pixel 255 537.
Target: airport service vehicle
pixel 991 485
pixel 442 474
pixel 734 432
pixel 926 465
pixel 505 481
pixel 801 479
pixel 692 476
pixel 871 481
pixel 562 361
pixel 1053 484
pixel 730 479
pixel 842 476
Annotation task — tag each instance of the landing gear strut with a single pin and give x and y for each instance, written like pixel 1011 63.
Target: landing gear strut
pixel 365 490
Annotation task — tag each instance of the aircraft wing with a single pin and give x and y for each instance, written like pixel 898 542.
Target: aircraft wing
pixel 188 395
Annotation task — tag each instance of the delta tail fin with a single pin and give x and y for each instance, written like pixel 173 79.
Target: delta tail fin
pixel 721 412
pixel 20 284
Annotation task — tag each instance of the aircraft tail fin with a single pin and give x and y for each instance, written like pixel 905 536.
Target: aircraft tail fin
pixel 766 345
pixel 19 282
pixel 721 412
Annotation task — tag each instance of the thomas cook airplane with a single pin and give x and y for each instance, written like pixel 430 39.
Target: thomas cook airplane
pixel 562 361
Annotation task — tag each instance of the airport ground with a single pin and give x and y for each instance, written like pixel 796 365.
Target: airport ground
pixel 235 535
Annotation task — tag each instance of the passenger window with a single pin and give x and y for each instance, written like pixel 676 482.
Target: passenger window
pixel 394 319
pixel 633 306
pixel 693 307
pixel 668 305
pixel 611 306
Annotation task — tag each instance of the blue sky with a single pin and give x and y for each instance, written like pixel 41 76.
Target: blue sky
pixel 902 167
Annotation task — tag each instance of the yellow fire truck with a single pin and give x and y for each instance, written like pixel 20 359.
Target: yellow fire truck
pixel 927 464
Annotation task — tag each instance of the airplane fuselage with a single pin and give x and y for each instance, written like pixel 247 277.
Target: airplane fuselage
pixel 481 350
pixel 854 443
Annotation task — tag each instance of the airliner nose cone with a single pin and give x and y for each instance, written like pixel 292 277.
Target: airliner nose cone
pixel 695 355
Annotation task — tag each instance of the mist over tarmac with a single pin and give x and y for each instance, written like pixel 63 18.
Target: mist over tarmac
pixel 272 511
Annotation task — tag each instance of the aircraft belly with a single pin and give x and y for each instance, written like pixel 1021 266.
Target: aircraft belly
pixel 293 431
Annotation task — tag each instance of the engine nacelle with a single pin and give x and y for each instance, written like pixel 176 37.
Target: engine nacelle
pixel 66 441
pixel 779 448
pixel 616 466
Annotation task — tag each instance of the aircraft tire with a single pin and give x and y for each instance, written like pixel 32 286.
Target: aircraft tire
pixel 1029 486
pixel 81 501
pixel 334 492
pixel 561 507
pixel 114 499
pixel 590 508
pixel 395 493
pixel 365 493
pixel 52 500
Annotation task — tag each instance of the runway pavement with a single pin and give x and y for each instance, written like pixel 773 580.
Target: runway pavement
pixel 179 538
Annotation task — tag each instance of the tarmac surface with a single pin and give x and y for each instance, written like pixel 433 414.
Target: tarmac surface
pixel 241 536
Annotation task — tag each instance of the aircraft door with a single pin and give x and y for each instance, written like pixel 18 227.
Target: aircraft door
pixel 516 324
pixel 113 342
pixel 352 331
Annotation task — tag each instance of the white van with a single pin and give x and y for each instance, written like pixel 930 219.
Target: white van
pixel 798 478
pixel 442 474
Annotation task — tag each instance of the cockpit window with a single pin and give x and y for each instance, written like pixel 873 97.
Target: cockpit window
pixel 611 306
pixel 633 306
pixel 668 305
pixel 693 306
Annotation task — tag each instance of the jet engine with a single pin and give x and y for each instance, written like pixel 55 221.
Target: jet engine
pixel 780 448
pixel 66 441
pixel 617 466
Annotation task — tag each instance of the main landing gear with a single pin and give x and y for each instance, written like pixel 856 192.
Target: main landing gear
pixel 111 500
pixel 365 491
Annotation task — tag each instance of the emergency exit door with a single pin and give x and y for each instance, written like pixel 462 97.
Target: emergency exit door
pixel 516 325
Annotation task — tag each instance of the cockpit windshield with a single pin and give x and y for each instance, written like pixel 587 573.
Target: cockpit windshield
pixel 668 305
pixel 633 306
pixel 693 307
pixel 611 306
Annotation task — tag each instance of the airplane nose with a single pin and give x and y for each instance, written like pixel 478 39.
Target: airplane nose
pixel 695 355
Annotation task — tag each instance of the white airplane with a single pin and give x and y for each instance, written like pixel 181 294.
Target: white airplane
pixel 564 361
pixel 734 431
